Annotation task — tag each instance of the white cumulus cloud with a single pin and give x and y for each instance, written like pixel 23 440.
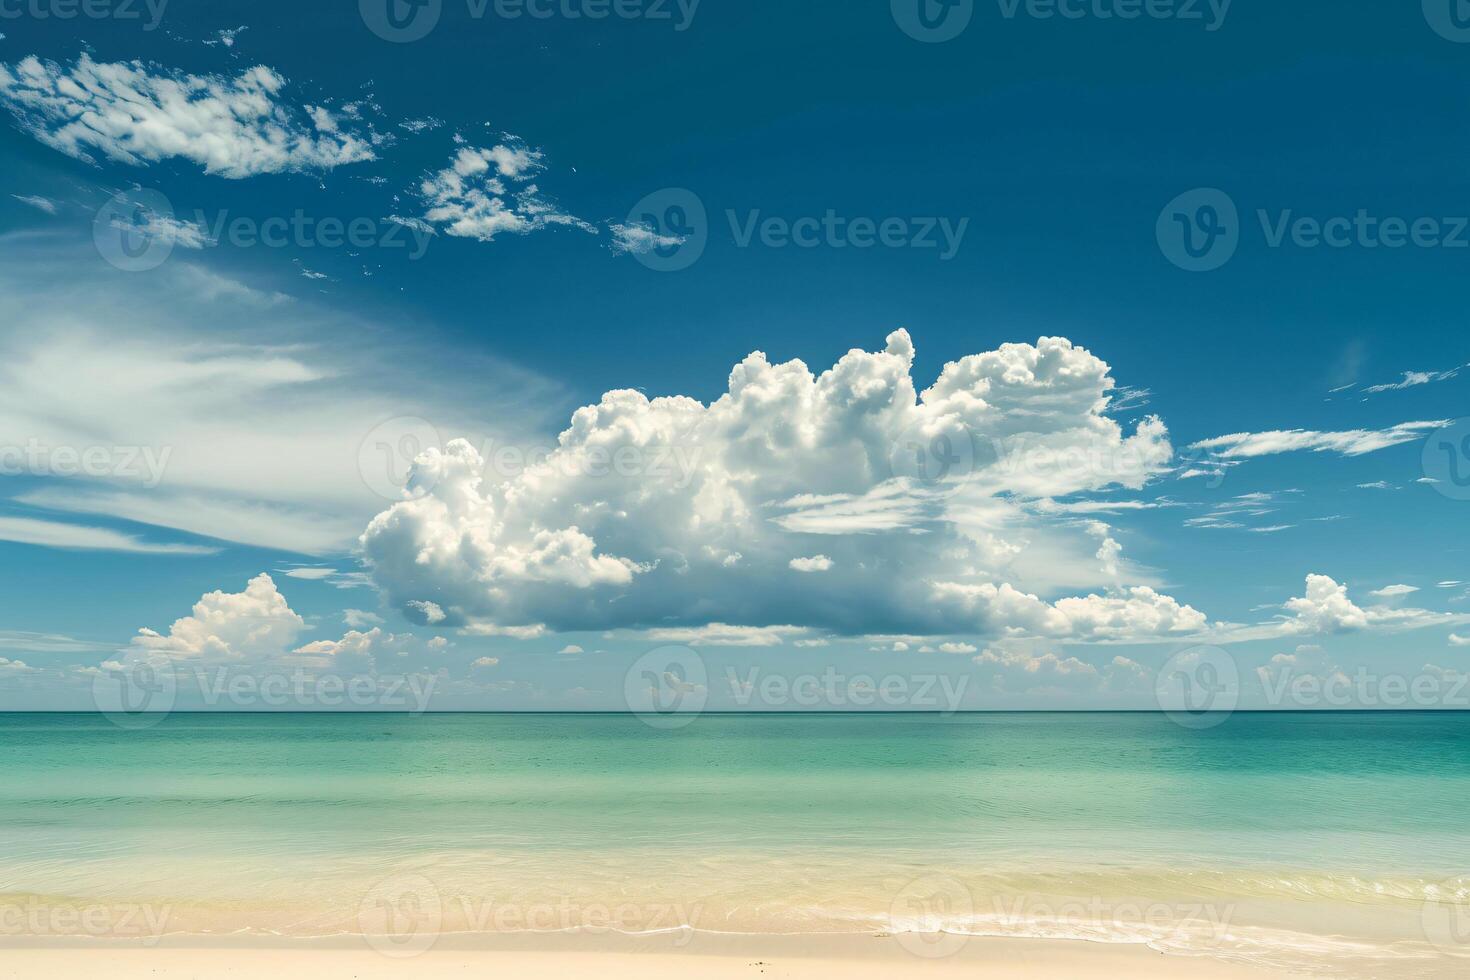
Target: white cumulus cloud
pixel 226 627
pixel 631 521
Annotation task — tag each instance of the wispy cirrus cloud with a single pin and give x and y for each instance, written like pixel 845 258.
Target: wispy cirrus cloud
pixel 56 534
pixel 1349 442
pixel 262 420
pixel 37 201
pixel 1413 379
pixel 137 113
pixel 1235 513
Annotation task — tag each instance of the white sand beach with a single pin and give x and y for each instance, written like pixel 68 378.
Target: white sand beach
pixel 618 957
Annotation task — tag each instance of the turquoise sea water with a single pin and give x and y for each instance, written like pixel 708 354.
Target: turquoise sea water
pixel 1335 841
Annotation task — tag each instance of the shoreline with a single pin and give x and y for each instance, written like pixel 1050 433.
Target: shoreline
pixel 615 956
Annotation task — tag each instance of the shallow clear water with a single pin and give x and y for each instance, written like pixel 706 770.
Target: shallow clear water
pixel 1336 841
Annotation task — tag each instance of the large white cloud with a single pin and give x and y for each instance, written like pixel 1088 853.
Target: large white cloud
pixel 665 512
pixel 138 114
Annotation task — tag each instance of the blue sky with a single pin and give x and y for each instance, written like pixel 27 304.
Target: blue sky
pixel 1030 171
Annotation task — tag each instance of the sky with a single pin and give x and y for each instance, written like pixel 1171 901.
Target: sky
pixel 533 355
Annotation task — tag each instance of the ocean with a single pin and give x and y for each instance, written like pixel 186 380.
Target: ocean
pixel 1337 842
